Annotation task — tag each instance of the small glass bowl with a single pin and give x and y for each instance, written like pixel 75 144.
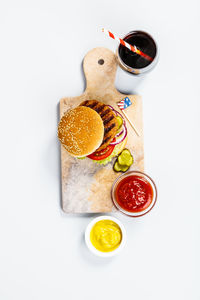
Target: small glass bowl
pixel 128 213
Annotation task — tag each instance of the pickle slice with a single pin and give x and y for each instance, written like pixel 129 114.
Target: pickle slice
pixel 125 158
pixel 119 121
pixel 120 168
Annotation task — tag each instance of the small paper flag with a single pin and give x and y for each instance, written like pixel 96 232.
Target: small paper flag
pixel 124 103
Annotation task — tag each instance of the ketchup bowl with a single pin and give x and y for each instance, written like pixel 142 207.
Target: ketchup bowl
pixel 134 193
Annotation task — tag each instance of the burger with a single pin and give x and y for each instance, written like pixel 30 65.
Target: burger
pixel 94 130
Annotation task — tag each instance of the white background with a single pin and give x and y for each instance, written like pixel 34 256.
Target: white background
pixel 42 250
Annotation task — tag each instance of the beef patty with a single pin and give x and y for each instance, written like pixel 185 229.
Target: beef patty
pixel 109 120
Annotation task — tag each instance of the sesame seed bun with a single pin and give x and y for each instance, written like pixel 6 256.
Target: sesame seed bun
pixel 81 131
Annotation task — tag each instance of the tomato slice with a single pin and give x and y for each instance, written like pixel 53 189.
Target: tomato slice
pixel 102 154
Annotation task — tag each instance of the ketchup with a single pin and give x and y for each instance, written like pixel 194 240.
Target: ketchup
pixel 134 193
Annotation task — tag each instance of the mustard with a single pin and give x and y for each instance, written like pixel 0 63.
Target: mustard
pixel 106 235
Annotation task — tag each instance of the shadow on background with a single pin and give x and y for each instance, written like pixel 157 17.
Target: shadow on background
pixel 91 258
pixel 83 76
pixel 59 158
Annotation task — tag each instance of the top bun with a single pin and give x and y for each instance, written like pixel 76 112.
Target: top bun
pixel 81 131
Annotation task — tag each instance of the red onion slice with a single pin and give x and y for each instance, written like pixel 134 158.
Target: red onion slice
pixel 120 115
pixel 110 107
pixel 120 138
pixel 121 131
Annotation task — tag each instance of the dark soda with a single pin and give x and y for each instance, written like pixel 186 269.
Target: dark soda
pixel 143 42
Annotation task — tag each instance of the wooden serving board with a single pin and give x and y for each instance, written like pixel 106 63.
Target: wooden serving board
pixel 86 186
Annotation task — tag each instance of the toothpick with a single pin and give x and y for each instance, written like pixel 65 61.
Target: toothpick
pixel 130 122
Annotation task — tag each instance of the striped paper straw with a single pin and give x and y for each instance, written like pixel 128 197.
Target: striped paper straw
pixel 127 45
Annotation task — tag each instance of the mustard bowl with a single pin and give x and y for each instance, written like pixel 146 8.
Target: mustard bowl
pixel 105 236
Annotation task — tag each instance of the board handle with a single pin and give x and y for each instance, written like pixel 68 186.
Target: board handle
pixel 100 65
